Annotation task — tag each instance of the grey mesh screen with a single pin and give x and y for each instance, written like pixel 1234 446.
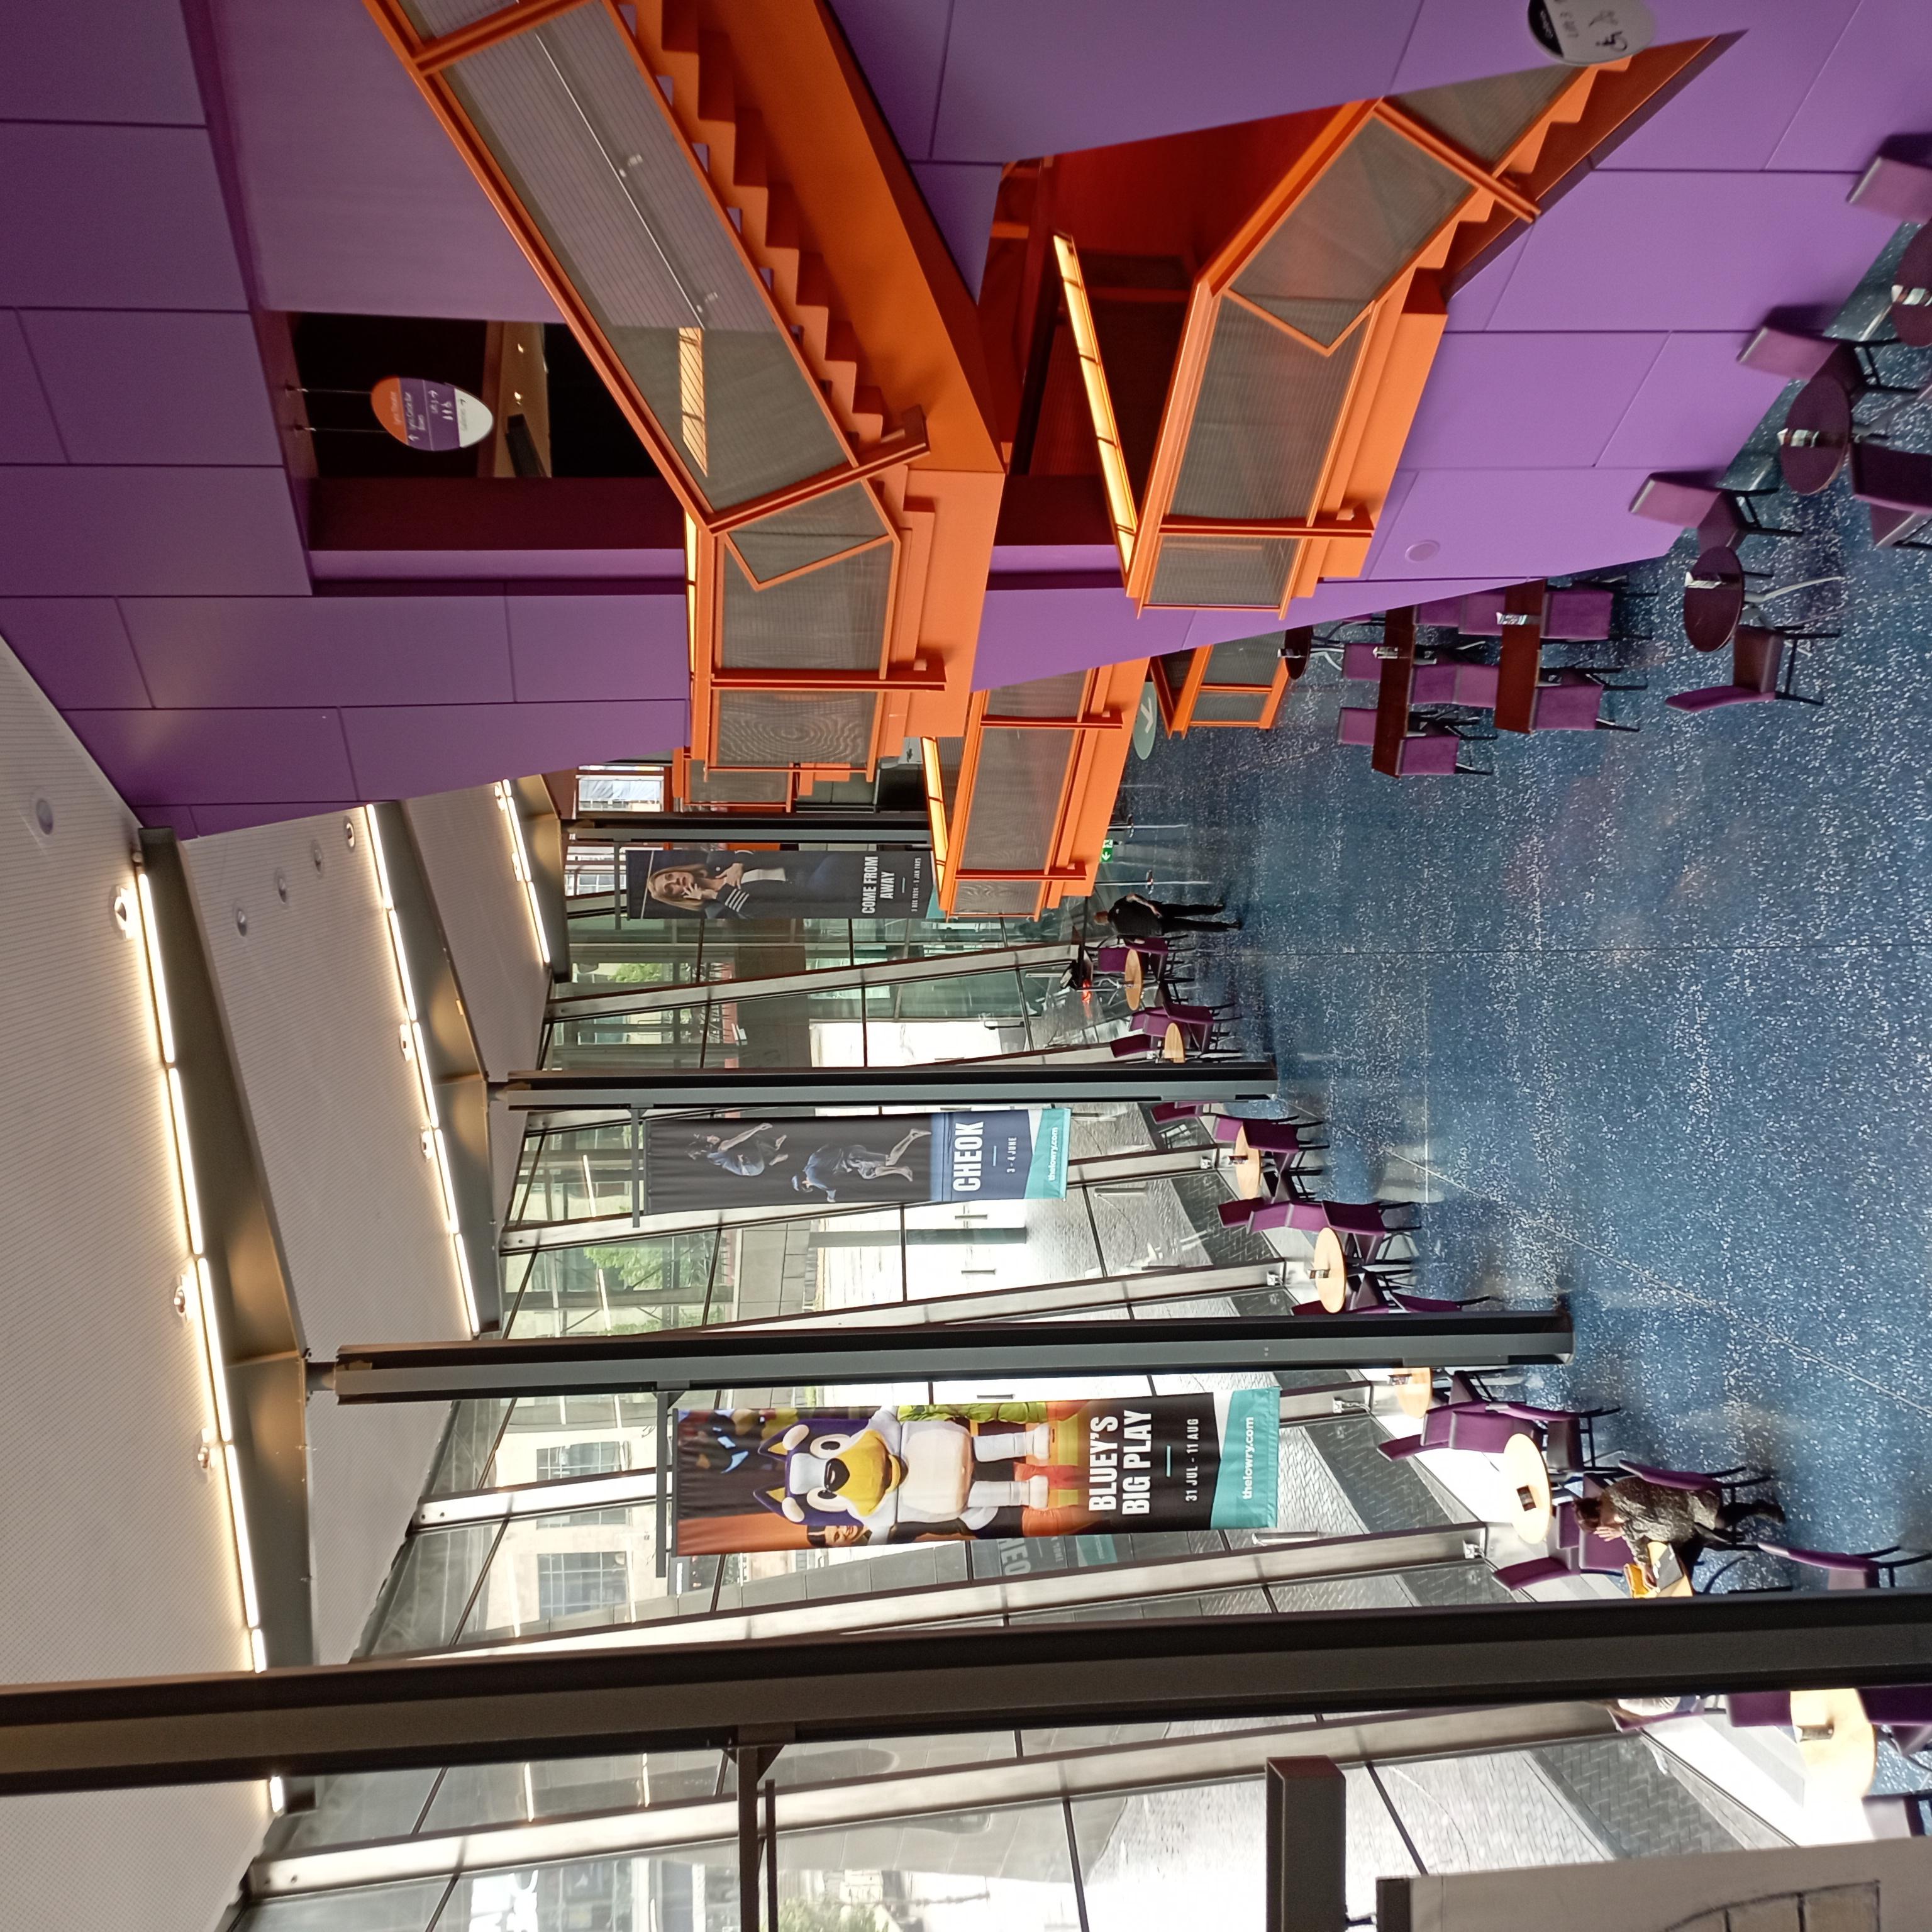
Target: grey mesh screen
pixel 1486 118
pixel 1263 421
pixel 808 533
pixel 1224 570
pixel 1016 800
pixel 1044 697
pixel 1340 245
pixel 987 899
pixel 1245 661
pixel 707 788
pixel 831 619
pixel 773 728
pixel 1176 665
pixel 1228 707
pixel 580 130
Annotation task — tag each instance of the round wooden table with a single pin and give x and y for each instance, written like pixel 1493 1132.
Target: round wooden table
pixel 1912 291
pixel 1174 1044
pixel 1133 977
pixel 1527 1475
pixel 1414 1390
pixel 1837 1742
pixel 1245 1170
pixel 1817 433
pixel 1329 1271
pixel 1714 599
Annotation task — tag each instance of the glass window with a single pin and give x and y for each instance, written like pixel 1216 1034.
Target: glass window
pixel 557 1460
pixel 571 1582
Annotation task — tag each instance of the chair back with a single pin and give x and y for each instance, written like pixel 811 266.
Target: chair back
pixel 1580 615
pixel 1359 661
pixel 1353 1217
pixel 1433 684
pixel 1432 754
pixel 1175 1110
pixel 1355 724
pixel 1110 959
pixel 1476 685
pixel 1441 610
pixel 1537 1570
pixel 1485 1432
pixel 1667 1479
pixel 1129 1044
pixel 1675 499
pixel 1481 615
pixel 1898 191
pixel 1273 1136
pixel 1757 656
pixel 1566 707
pixel 1787 354
pixel 1900 479
pixel 1239 1213
pixel 1226 1128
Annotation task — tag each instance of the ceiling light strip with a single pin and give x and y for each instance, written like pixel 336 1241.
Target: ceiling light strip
pixel 435 1145
pixel 519 864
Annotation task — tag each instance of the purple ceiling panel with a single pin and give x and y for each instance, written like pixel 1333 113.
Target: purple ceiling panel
pixel 126 61
pixel 1695 407
pixel 149 387
pixel 1687 251
pixel 76 531
pixel 961 195
pixel 27 431
pixel 1531 401
pixel 76 649
pixel 1363 596
pixel 321 650
pixel 405 752
pixel 357 202
pixel 565 648
pixel 1038 77
pixel 1464 40
pixel 496 566
pixel 1507 524
pixel 1732 114
pixel 1472 305
pixel 1030 633
pixel 112 217
pixel 1877 83
pixel 901 46
pixel 217 757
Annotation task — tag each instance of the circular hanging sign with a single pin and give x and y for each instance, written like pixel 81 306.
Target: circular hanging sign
pixel 430 416
pixel 1583 32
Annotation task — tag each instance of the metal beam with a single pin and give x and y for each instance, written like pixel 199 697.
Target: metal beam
pixel 759 828
pixel 964 1083
pixel 1307 1858
pixel 671 1360
pixel 593 997
pixel 1107 1770
pixel 383 1715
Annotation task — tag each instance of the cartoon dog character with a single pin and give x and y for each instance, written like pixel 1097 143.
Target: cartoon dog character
pixel 883 1472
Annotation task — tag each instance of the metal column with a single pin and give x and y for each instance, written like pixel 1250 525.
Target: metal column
pixel 384 1715
pixel 671 1360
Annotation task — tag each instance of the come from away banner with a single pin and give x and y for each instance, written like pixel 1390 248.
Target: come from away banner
pixel 1014 1153
pixel 753 1479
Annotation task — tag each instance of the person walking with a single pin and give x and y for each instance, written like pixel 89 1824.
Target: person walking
pixel 1136 916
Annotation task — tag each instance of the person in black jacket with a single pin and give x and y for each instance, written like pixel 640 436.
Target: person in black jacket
pixel 1135 916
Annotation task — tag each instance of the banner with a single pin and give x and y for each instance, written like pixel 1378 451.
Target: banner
pixel 733 882
pixel 718 1162
pixel 754 1479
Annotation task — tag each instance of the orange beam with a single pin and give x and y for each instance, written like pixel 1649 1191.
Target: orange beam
pixel 447 50
pixel 827 680
pixel 1344 523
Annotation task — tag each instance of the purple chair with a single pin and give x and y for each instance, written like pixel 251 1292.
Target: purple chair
pixel 1571 702
pixel 1356 725
pixel 1793 356
pixel 1129 1044
pixel 1899 190
pixel 1569 1441
pixel 1717 515
pixel 1896 485
pixel 1580 614
pixel 1279 1136
pixel 1726 1482
pixel 1226 1128
pixel 1361 662
pixel 1757 656
pixel 1443 610
pixel 1432 754
pixel 1588 1550
pixel 1845 1570
pixel 1363 1220
pixel 1240 1213
pixel 1175 1110
pixel 1537 1569
pixel 1306 1217
pixel 1473 684
pixel 1476 1426
pixel 1110 959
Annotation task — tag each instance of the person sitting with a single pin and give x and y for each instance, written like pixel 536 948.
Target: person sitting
pixel 1643 1513
pixel 1135 916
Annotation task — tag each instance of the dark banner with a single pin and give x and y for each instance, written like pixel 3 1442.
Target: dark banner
pixel 713 1161
pixel 753 1479
pixel 728 882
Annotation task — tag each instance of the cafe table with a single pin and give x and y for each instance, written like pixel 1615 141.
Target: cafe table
pixel 1414 1390
pixel 1329 1272
pixel 1817 433
pixel 1526 1476
pixel 1714 599
pixel 1174 1044
pixel 1837 1742
pixel 1245 1170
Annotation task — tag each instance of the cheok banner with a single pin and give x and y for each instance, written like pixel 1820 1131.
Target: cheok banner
pixel 731 882
pixel 714 1161
pixel 753 1479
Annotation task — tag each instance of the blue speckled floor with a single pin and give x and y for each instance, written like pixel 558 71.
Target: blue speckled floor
pixel 1646 1019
